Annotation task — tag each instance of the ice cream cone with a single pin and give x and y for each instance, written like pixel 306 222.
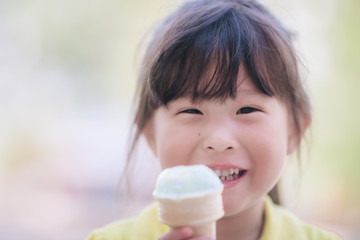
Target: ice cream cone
pixel 190 196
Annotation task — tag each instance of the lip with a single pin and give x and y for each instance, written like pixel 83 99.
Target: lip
pixel 233 182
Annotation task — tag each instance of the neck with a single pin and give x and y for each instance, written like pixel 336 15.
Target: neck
pixel 246 225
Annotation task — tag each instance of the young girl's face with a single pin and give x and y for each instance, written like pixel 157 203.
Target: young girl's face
pixel 245 139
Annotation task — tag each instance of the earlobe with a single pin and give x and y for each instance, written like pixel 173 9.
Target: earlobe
pixel 148 133
pixel 293 143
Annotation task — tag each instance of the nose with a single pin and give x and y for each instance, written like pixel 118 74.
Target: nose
pixel 220 139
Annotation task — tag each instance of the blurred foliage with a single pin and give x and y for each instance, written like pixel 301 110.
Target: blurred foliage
pixel 343 93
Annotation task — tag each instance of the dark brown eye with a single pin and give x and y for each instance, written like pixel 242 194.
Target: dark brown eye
pixel 246 110
pixel 191 111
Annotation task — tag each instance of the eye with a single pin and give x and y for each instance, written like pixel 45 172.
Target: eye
pixel 246 110
pixel 191 111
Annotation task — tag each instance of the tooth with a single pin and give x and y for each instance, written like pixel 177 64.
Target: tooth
pixel 231 171
pixel 222 178
pixel 224 173
pixel 229 178
pixel 236 170
pixel 218 172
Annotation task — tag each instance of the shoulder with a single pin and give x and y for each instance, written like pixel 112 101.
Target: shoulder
pixel 145 226
pixel 281 224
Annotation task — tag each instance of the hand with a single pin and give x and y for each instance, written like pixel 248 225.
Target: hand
pixel 181 233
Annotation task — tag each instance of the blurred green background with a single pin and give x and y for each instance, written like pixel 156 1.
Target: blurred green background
pixel 67 73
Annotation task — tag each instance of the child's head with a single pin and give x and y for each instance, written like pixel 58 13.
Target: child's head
pixel 206 48
pixel 198 50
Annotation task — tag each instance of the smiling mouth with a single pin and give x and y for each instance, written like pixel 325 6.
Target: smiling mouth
pixel 230 174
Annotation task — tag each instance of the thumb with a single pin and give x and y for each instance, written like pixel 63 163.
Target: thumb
pixel 177 233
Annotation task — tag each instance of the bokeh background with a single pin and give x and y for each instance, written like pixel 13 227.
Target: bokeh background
pixel 67 74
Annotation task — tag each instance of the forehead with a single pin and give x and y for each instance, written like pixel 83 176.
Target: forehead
pixel 245 83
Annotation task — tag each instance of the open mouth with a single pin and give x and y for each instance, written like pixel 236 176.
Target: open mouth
pixel 229 174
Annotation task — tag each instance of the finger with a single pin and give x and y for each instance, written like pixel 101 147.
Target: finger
pixel 202 238
pixel 177 233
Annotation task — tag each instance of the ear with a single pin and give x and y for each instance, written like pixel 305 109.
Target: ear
pixel 149 135
pixel 294 135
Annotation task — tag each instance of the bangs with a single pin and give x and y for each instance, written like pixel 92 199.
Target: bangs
pixel 202 58
pixel 201 65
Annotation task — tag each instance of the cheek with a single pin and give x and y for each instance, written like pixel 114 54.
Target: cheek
pixel 271 152
pixel 175 146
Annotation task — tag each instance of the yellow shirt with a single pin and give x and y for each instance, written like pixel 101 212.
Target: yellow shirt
pixel 280 224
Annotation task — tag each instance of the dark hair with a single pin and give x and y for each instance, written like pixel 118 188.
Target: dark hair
pixel 198 50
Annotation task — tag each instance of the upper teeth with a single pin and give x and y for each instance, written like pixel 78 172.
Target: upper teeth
pixel 226 172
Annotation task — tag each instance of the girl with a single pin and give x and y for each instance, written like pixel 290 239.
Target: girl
pixel 220 86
